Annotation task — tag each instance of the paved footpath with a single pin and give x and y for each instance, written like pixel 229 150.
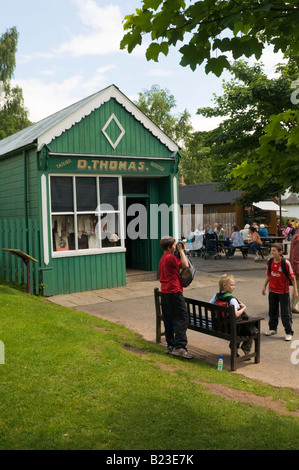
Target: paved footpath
pixel 133 307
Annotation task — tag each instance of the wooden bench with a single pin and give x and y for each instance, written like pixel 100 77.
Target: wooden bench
pixel 204 318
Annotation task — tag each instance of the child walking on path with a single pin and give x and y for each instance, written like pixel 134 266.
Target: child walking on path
pixel 174 311
pixel 294 260
pixel 279 275
pixel 226 288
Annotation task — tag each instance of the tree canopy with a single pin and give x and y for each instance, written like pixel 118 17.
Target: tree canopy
pixel 158 104
pixel 8 49
pixel 13 114
pixel 209 30
pixel 248 101
pixel 205 31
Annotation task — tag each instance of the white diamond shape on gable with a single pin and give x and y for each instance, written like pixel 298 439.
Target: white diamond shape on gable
pixel 122 131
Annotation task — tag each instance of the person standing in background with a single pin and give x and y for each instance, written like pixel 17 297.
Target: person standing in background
pixel 279 274
pixel 294 260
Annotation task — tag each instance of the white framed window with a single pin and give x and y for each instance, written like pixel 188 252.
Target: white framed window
pixel 86 214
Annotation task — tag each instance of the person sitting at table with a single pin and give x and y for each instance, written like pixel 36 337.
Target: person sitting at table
pixel 262 231
pixel 245 232
pixel 236 241
pixel 219 230
pixel 254 242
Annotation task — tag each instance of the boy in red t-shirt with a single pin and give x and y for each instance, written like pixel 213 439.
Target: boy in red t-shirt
pixel 172 300
pixel 279 292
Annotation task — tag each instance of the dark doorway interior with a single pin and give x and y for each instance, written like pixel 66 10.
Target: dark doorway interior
pixel 138 248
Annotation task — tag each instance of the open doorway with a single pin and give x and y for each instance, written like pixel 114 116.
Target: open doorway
pixel 137 239
pixel 138 246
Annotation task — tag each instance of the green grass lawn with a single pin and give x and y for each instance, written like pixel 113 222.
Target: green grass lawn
pixel 74 381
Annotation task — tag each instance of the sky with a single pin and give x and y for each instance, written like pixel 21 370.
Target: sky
pixel 69 49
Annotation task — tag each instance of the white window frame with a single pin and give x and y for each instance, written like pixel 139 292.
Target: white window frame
pixel 98 212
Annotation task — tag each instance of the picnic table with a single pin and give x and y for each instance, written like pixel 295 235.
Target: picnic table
pixel 267 241
pixel 243 249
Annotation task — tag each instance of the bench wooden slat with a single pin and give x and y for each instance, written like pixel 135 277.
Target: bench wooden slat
pixel 206 318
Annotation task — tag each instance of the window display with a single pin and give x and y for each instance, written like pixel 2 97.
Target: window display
pixel 85 213
pixel 63 232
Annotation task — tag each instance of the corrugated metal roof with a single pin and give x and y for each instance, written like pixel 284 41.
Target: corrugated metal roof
pixel 32 133
pixel 46 130
pixel 207 194
pixel 292 198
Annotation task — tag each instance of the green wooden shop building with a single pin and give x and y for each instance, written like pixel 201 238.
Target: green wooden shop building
pixel 71 186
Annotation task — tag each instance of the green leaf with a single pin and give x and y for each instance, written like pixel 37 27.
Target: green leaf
pixel 128 22
pixel 190 56
pixel 154 49
pixel 161 23
pixel 216 65
pixel 131 40
pixel 240 26
pixel 222 44
pixel 164 48
pixel 143 20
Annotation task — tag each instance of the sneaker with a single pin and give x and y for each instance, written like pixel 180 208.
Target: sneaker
pixel 271 332
pixel 169 349
pixel 257 258
pixel 288 338
pixel 181 352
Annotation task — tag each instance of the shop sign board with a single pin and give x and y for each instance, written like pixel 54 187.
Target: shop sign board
pixel 110 165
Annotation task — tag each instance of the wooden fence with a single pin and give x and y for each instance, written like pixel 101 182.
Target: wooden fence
pixel 226 219
pixel 22 235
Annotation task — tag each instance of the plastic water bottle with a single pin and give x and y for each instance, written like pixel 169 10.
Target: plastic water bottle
pixel 220 363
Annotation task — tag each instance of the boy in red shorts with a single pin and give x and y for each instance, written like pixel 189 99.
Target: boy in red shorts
pixel 172 300
pixel 279 274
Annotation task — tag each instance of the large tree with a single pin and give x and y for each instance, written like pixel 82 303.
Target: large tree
pixel 209 31
pixel 277 158
pixel 247 102
pixel 13 114
pixel 159 104
pixel 196 163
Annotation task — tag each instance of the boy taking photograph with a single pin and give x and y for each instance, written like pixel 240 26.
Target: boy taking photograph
pixel 174 311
